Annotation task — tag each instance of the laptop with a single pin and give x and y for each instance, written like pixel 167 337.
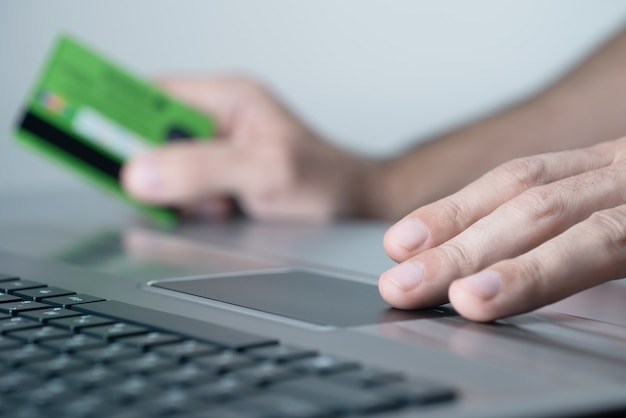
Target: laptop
pixel 102 315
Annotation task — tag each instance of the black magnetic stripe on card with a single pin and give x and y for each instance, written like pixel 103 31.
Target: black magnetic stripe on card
pixel 70 144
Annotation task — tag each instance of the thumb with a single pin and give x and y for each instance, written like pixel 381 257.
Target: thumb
pixel 183 173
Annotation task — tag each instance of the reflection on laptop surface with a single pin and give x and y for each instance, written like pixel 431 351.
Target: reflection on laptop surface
pixel 136 322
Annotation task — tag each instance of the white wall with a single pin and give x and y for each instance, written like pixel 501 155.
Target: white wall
pixel 371 75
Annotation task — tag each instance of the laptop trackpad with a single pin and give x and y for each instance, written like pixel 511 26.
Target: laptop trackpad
pixel 301 295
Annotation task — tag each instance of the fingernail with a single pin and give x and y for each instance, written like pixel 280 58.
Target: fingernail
pixel 409 234
pixel 486 284
pixel 144 177
pixel 406 276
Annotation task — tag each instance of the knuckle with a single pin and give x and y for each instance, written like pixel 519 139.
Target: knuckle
pixel 238 79
pixel 523 173
pixel 246 85
pixel 250 85
pixel 459 217
pixel 610 226
pixel 454 254
pixel 539 203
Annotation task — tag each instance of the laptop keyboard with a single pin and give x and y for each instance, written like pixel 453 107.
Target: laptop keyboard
pixel 69 355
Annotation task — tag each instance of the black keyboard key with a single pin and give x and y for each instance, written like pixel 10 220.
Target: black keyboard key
pixel 366 378
pixel 25 354
pixel 41 293
pixel 14 308
pixel 131 389
pixel 21 409
pixel 417 393
pixel 110 353
pixel 281 353
pixel 53 392
pixel 7 343
pixel 115 330
pixel 7 297
pixel 71 300
pixel 56 366
pixel 186 349
pixel 150 339
pixel 224 361
pixel 173 401
pixel 13 285
pixel 4 277
pixel 74 343
pixel 228 411
pixel 265 373
pixel 225 388
pixel 80 322
pixel 90 405
pixel 45 315
pixel 146 364
pixel 217 334
pixel 18 381
pixel 188 374
pixel 34 335
pixel 323 365
pixel 273 405
pixel 335 397
pixel 95 376
pixel 15 323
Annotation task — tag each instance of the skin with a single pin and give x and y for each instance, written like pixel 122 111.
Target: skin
pixel 274 165
pixel 531 231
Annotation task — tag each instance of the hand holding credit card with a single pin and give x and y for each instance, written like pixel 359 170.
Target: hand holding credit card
pixel 92 115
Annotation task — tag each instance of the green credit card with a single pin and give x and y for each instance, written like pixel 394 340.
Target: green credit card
pixel 92 115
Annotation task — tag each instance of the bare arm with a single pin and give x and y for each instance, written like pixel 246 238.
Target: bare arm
pixel 585 107
pixel 276 167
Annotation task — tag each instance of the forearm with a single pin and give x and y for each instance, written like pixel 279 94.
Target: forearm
pixel 587 106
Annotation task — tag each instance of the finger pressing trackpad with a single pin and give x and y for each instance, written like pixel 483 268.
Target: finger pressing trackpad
pixel 302 295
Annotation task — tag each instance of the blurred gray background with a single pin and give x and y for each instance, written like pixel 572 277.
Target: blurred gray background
pixel 374 76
